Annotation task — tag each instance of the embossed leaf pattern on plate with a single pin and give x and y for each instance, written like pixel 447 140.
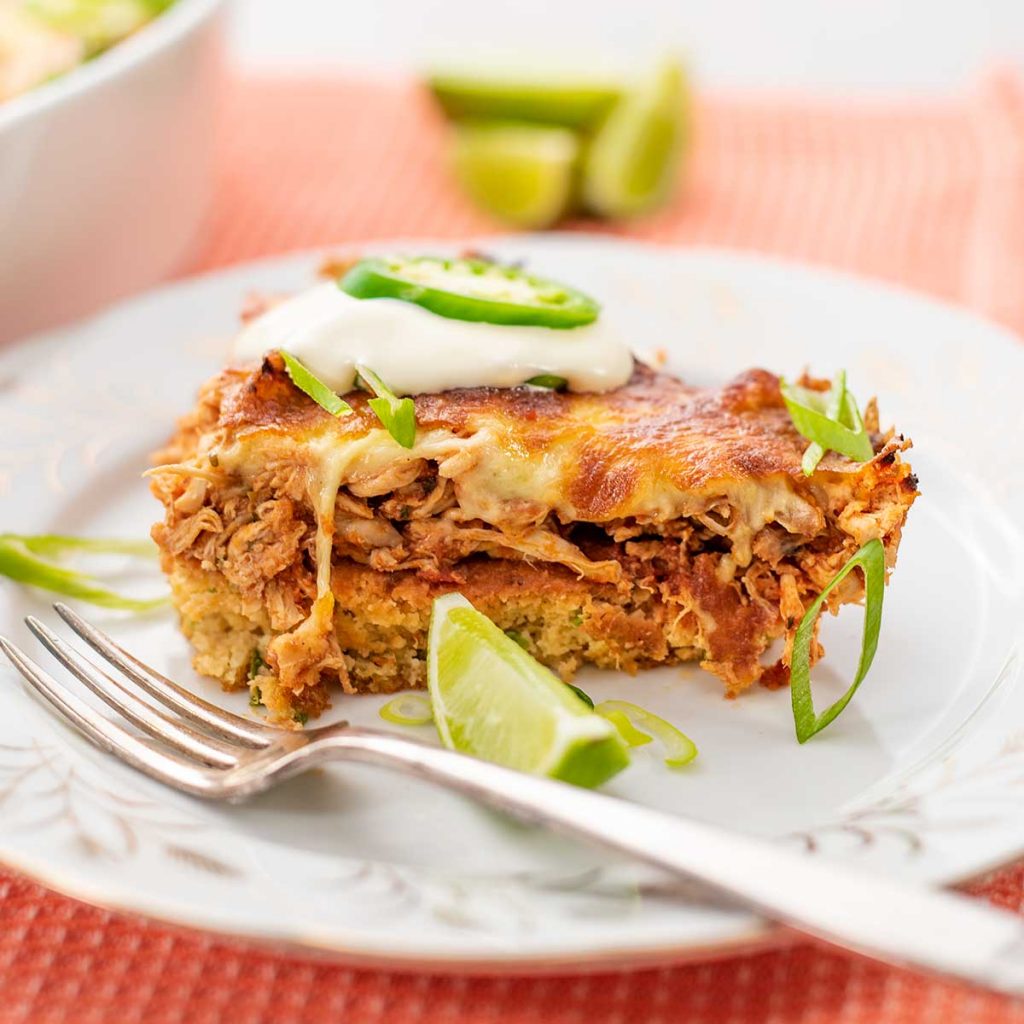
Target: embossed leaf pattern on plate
pixel 921 776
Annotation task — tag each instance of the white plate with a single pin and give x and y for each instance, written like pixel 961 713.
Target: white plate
pixel 922 776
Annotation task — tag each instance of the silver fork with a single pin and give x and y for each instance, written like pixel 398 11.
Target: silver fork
pixel 208 752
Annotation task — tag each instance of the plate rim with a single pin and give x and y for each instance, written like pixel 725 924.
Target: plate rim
pixel 756 935
pixel 754 257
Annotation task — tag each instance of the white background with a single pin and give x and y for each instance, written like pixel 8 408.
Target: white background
pixel 819 45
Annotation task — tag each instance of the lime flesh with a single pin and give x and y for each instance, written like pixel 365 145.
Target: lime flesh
pixel 523 174
pixel 491 699
pixel 557 101
pixel 633 160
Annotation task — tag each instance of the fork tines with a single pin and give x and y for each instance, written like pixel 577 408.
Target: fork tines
pixel 196 745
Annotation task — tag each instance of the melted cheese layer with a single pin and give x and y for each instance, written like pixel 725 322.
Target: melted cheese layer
pixel 653 451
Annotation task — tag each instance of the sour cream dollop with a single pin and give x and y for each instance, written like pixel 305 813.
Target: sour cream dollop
pixel 416 352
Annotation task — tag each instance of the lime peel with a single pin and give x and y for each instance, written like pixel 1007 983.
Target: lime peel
pixel 491 699
pixel 554 98
pixel 632 162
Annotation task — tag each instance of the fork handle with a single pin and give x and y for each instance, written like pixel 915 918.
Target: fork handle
pixel 888 920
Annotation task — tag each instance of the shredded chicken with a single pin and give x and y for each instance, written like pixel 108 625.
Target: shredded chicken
pixel 709 576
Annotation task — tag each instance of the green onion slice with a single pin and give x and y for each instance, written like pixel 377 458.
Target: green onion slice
pixel 471 289
pixel 680 750
pixel 583 695
pixel 870 559
pixel 256 662
pixel 850 414
pixel 836 401
pixel 514 634
pixel 398 415
pixel 627 730
pixel 408 709
pixel 55 544
pixel 307 381
pixel 830 421
pixel 549 381
pixel 19 561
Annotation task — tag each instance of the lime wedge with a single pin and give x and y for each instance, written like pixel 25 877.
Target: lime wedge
pixel 570 103
pixel 494 701
pixel 632 162
pixel 523 174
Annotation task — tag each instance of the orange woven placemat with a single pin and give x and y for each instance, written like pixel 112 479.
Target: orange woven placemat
pixel 931 195
pixel 927 194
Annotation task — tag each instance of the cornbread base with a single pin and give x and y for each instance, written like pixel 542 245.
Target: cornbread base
pixel 381 621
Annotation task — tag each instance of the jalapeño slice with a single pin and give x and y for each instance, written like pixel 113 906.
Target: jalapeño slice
pixel 471 289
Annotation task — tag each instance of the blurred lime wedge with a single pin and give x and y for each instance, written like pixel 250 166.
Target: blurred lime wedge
pixel 524 174
pixel 494 701
pixel 633 159
pixel 570 103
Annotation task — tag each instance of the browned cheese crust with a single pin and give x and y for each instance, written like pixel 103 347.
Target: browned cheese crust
pixel 653 524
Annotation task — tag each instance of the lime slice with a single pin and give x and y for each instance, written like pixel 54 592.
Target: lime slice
pixel 523 174
pixel 494 701
pixel 568 102
pixel 632 162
